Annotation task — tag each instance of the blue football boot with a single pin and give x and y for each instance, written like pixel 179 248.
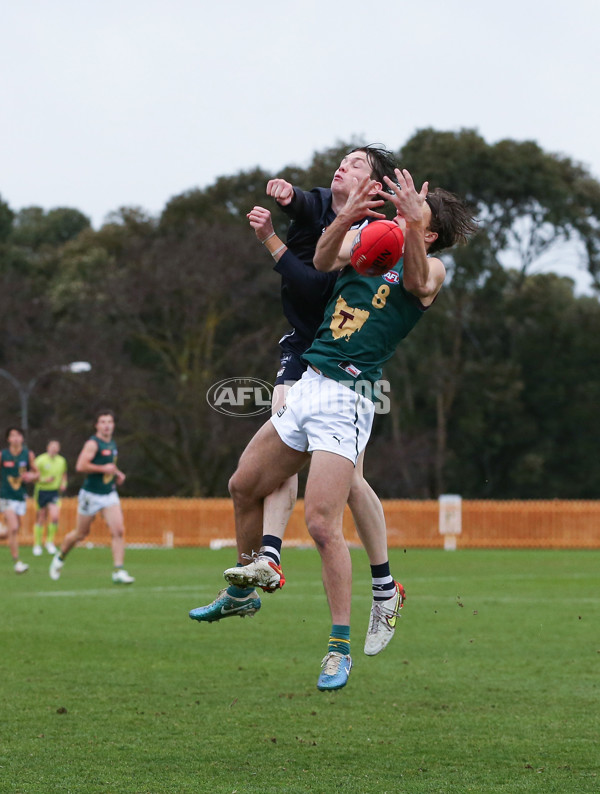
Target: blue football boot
pixel 336 669
pixel 226 606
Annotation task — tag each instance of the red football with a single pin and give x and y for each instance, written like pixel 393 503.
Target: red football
pixel 376 248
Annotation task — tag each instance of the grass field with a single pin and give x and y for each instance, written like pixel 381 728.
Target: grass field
pixel 491 684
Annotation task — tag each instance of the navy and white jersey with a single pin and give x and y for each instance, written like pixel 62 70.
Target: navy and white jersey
pixel 310 213
pixel 305 291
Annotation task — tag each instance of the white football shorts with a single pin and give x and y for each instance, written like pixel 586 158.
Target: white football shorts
pixel 322 414
pixel 88 503
pixel 18 506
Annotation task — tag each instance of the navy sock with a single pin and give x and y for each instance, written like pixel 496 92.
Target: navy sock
pixel 271 548
pixel 382 582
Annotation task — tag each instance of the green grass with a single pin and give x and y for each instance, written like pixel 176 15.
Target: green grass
pixel 491 684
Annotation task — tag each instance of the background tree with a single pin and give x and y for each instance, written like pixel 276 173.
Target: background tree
pixel 527 201
pixel 493 394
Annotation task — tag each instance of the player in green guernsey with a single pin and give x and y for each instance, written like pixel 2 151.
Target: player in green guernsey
pixel 368 316
pixel 98 461
pixel 305 293
pixel 48 489
pixel 17 467
pixel 327 418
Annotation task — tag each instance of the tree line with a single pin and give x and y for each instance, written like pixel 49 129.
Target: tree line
pixel 493 395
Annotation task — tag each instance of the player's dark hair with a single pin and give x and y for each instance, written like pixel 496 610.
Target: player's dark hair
pixel 381 160
pixel 103 412
pixel 10 429
pixel 451 219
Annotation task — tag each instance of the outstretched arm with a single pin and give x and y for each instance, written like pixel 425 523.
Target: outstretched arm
pixel 304 280
pixel 423 275
pixel 333 248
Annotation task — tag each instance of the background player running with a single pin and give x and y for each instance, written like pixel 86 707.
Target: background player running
pixel 98 461
pixel 17 467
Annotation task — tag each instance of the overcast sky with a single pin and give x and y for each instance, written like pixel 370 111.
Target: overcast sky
pixel 130 102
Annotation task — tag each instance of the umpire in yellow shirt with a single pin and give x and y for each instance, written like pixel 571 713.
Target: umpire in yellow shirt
pixel 52 483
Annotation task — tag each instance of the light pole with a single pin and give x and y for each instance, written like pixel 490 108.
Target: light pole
pixel 24 389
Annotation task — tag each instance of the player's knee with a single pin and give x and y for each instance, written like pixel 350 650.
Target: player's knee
pixel 321 530
pixel 233 485
pixel 240 487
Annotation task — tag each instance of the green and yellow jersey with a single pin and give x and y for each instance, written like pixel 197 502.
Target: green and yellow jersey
pixel 102 483
pixel 11 471
pixel 365 319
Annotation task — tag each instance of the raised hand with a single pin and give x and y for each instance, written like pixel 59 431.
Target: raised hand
pixel 362 201
pixel 404 196
pixel 261 222
pixel 281 191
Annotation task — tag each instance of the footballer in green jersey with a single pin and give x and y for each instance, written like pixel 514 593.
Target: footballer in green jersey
pixel 17 468
pixel 98 461
pixel 325 422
